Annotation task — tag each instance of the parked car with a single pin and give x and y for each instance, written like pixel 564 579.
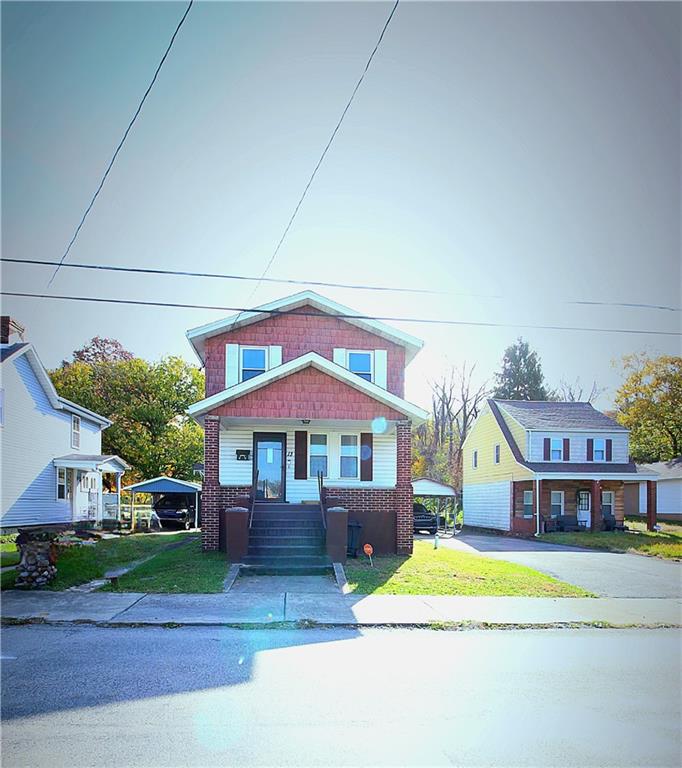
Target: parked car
pixel 423 519
pixel 176 508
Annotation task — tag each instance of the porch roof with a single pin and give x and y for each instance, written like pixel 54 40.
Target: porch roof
pixel 92 463
pixel 314 360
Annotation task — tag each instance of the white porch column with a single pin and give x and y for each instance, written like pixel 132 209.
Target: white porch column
pixel 118 495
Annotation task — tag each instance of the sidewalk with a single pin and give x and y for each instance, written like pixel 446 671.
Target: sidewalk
pixel 260 609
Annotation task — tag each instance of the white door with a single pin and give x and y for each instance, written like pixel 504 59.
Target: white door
pixel 584 508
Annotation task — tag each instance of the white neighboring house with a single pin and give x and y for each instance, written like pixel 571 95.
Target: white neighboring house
pixel 52 464
pixel 668 491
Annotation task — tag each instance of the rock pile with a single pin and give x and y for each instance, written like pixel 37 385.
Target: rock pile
pixel 37 566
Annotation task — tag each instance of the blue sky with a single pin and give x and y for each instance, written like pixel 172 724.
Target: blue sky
pixel 528 151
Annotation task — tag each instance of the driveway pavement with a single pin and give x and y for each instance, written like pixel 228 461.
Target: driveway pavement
pixel 607 574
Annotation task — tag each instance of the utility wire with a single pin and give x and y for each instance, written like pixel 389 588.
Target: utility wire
pixel 324 152
pixel 121 142
pixel 429 321
pixel 320 283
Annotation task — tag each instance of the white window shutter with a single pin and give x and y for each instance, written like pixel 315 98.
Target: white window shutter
pixel 381 368
pixel 231 365
pixel 340 357
pixel 274 357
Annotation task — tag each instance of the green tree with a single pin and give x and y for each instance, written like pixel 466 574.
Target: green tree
pixel 146 403
pixel 521 377
pixel 649 404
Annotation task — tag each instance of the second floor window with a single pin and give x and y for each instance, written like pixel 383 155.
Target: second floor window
pixel 254 361
pixel 599 449
pixel 75 431
pixel 360 363
pixel 557 450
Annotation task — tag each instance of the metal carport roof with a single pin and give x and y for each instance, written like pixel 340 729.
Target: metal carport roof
pixel 164 485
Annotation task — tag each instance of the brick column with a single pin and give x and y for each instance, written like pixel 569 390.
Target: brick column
pixel 650 504
pixel 210 498
pixel 404 516
pixel 596 518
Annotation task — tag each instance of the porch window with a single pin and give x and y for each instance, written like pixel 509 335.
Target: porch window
pixel 497 454
pixel 349 456
pixel 607 503
pixel 599 453
pixel 474 459
pixel 318 455
pixel 253 362
pixel 557 504
pixel 557 451
pixel 360 363
pixel 75 431
pixel 528 503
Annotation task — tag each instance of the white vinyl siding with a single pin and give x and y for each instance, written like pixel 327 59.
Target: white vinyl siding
pixel 578 440
pixel 34 435
pixel 668 497
pixel 487 505
pixel 233 472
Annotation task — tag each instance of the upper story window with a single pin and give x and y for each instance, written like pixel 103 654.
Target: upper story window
pixel 349 456
pixel 496 454
pixel 474 459
pixel 75 431
pixel 362 364
pixel 253 361
pixel 319 459
pixel 557 449
pixel 599 449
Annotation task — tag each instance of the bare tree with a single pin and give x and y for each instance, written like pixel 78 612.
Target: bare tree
pixel 576 393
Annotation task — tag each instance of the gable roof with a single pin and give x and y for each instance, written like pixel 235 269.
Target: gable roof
pixel 546 415
pixel 666 470
pixel 197 336
pixel 13 351
pixel 163 484
pixel 310 359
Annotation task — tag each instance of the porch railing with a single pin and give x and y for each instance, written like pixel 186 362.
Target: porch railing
pixel 252 500
pixel 323 503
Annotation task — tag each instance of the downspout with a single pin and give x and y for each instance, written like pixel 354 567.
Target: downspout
pixel 537 506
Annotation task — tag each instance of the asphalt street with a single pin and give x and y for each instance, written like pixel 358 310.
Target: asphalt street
pixel 86 696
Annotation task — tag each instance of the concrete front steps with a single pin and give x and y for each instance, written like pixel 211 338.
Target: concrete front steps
pixel 286 539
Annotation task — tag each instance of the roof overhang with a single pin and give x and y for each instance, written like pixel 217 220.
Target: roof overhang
pixel 197 336
pixel 311 359
pixel 632 477
pixel 113 464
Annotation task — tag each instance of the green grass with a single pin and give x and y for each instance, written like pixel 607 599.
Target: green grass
pixel 181 570
pixel 78 565
pixel 8 550
pixel 666 543
pixel 443 571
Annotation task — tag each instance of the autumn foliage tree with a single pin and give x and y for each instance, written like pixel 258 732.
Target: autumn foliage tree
pixel 649 404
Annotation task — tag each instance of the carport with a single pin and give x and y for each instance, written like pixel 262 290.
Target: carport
pixel 165 485
pixel 446 495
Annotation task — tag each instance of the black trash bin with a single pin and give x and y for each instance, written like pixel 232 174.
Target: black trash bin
pixel 354 528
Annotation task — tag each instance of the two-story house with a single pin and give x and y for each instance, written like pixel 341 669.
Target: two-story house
pixel 52 462
pixel 302 387
pixel 535 466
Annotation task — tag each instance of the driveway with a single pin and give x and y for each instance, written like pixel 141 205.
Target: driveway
pixel 607 574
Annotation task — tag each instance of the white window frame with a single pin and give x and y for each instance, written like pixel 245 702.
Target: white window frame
pixel 611 503
pixel 356 435
pixel 528 504
pixel 61 472
pixel 474 459
pixel 256 348
pixel 599 441
pixel 75 431
pixel 552 442
pixel 552 504
pixel 369 352
pixel 497 453
pixel 326 454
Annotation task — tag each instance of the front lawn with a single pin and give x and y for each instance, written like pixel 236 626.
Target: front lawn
pixel 666 543
pixel 181 570
pixel 9 554
pixel 444 571
pixel 77 565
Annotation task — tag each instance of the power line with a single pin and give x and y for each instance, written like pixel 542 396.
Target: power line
pixel 121 142
pixel 321 284
pixel 325 150
pixel 428 321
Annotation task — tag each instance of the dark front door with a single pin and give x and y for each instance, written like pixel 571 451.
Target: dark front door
pixel 269 451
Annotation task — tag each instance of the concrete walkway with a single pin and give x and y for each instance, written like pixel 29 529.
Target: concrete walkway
pixel 261 608
pixel 607 574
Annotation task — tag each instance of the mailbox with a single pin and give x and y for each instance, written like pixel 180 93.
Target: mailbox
pixel 243 455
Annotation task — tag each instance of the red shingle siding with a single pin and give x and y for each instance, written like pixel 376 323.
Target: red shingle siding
pixel 307 394
pixel 298 334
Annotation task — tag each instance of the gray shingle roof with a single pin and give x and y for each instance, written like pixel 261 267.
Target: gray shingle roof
pixel 542 415
pixel 668 470
pixel 9 350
